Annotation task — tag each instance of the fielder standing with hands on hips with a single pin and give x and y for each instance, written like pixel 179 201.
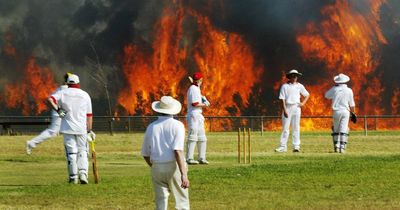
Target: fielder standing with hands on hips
pixel 74 106
pixel 162 150
pixel 195 121
pixel 290 95
pixel 342 106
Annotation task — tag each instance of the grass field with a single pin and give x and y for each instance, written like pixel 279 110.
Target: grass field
pixel 366 177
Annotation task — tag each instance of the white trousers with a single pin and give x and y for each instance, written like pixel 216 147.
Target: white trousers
pixel 166 178
pixel 51 131
pixel 196 135
pixel 76 151
pixel 294 115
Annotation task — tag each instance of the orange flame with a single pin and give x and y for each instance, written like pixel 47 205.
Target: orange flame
pixel 395 101
pixel 31 94
pixel 224 58
pixel 8 48
pixel 347 41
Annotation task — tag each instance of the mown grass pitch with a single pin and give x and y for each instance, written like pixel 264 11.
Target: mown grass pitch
pixel 366 177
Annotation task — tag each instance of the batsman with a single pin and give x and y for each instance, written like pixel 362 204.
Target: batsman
pixel 74 107
pixel 195 120
pixel 343 107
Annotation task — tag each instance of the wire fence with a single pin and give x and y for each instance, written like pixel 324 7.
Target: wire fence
pixel 16 125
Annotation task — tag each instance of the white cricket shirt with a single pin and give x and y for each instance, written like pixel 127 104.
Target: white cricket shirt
pixel 62 87
pixel 291 93
pixel 162 138
pixel 342 97
pixel 78 105
pixel 193 96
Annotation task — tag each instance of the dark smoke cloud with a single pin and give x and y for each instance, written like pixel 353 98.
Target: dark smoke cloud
pixel 62 34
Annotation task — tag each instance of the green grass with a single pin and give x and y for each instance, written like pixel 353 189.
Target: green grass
pixel 366 177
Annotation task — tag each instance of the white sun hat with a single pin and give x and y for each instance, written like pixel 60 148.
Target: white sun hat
pixel 167 105
pixel 73 79
pixel 294 71
pixel 341 78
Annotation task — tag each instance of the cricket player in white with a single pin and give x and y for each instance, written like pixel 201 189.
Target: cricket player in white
pixel 342 103
pixel 54 127
pixel 74 106
pixel 195 120
pixel 162 150
pixel 290 95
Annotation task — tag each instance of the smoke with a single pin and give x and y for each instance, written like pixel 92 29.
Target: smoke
pixel 80 35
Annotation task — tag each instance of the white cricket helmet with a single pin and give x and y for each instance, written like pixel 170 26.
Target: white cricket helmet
pixel 73 79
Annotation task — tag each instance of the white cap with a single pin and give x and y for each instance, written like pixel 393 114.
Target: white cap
pixel 167 105
pixel 341 78
pixel 73 79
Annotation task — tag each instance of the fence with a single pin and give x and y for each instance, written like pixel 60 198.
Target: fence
pixel 213 123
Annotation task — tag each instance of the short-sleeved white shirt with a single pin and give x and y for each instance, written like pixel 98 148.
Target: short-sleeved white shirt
pixel 162 138
pixel 290 92
pixel 78 105
pixel 342 97
pixel 62 87
pixel 193 96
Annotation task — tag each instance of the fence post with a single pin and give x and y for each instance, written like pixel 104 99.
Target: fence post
pixel 365 126
pixel 129 124
pixel 262 126
pixel 111 125
pixel 210 120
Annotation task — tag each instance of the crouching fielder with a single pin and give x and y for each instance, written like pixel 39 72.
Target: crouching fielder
pixel 342 103
pixel 74 106
pixel 195 120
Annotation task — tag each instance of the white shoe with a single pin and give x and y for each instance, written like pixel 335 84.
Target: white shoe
pixel 83 179
pixel 281 149
pixel 192 162
pixel 203 161
pixel 28 148
pixel 73 181
pixel 296 149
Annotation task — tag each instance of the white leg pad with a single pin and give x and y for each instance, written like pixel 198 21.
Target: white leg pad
pixel 190 149
pixel 202 147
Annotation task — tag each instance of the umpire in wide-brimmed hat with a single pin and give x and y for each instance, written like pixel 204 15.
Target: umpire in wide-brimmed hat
pixel 162 150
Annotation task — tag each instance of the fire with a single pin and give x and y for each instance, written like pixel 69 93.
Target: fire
pixel 395 101
pixel 346 41
pixel 8 48
pixel 230 66
pixel 150 75
pixel 225 60
pixel 31 94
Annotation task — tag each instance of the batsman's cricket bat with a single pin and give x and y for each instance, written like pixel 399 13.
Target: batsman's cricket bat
pixel 190 79
pixel 94 163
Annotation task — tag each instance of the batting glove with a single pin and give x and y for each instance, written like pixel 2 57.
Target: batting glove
pixel 205 101
pixel 61 112
pixel 91 136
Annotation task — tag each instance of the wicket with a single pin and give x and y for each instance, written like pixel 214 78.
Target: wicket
pixel 246 159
